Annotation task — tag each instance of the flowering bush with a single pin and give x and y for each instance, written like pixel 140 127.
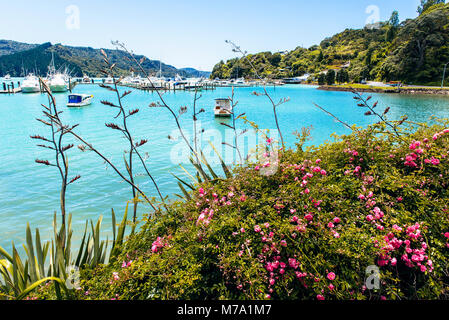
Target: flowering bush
pixel 308 232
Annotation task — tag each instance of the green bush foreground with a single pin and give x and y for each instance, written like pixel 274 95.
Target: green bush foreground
pixel 310 231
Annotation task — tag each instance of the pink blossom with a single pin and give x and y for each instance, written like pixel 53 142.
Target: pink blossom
pixel 435 161
pixel 308 217
pixel 331 276
pixel 320 297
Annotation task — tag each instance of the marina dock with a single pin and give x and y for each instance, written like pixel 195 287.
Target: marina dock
pixel 10 88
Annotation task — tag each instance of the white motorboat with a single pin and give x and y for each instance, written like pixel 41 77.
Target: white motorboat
pixel 30 84
pixel 108 81
pixel 79 100
pixel 223 108
pixel 7 77
pixel 86 80
pixel 58 82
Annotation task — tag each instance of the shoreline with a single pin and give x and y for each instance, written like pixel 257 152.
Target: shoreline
pixel 403 90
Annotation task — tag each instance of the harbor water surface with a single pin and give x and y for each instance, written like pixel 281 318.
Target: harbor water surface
pixel 30 192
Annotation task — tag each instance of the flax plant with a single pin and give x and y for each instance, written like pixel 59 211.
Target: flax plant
pixel 233 127
pixel 265 93
pixel 58 132
pixel 125 130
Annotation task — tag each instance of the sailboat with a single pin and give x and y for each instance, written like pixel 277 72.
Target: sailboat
pixel 57 81
pixel 30 84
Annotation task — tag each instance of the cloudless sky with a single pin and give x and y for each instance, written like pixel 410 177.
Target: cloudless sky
pixel 192 33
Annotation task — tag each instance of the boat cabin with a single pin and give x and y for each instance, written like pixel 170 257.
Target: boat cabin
pixel 79 100
pixel 223 107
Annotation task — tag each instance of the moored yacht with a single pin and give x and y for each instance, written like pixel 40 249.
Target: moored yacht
pixel 58 82
pixel 86 79
pixel 30 84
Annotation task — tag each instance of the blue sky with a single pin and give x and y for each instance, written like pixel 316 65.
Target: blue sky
pixel 191 33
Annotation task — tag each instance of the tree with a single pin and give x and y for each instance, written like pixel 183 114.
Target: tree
pixel 394 19
pixel 330 77
pixel 321 79
pixel 426 4
pixel 342 76
pixel 320 56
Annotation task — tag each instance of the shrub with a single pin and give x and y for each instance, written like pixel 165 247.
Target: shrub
pixel 308 232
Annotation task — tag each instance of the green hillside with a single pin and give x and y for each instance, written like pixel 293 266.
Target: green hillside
pixel 78 60
pixel 413 51
pixel 10 47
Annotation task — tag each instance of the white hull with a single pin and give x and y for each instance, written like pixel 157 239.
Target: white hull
pixel 223 113
pixel 30 89
pixel 59 88
pixel 78 105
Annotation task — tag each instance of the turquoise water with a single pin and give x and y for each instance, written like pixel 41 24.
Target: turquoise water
pixel 30 192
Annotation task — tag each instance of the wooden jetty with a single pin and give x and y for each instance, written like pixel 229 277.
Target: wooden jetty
pixel 174 87
pixel 10 88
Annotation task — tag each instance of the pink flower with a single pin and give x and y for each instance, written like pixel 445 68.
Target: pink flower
pixel 331 276
pixel 320 297
pixel 337 220
pixel 308 217
pixel 257 229
pixel 446 235
pixel 435 161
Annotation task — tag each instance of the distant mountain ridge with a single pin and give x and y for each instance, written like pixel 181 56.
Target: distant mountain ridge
pixel 18 58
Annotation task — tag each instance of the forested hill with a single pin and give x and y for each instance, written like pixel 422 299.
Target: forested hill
pixel 17 59
pixel 413 51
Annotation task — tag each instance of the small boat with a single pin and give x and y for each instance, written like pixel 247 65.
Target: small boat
pixel 86 80
pixel 7 77
pixel 79 100
pixel 30 84
pixel 223 108
pixel 108 81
